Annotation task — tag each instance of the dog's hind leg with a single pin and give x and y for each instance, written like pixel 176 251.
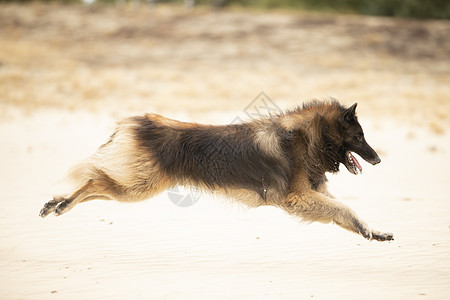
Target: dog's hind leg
pixel 314 206
pixel 92 189
pixel 103 187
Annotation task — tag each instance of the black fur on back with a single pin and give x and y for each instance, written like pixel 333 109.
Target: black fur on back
pixel 228 156
pixel 216 156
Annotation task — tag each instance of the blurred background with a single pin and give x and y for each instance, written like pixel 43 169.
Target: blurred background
pixel 199 57
pixel 70 70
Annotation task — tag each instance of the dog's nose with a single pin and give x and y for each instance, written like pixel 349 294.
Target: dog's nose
pixel 376 161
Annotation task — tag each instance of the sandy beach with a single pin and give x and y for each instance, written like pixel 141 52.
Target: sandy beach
pixel 69 73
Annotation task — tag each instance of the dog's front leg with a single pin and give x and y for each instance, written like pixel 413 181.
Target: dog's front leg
pixel 316 207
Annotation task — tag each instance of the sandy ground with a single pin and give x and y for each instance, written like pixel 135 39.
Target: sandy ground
pixel 67 74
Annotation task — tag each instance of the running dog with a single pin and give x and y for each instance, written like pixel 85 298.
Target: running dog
pixel 279 160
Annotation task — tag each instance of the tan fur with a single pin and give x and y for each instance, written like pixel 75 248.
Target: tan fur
pixel 316 207
pixel 246 197
pixel 268 139
pixel 291 122
pixel 119 160
pixel 169 122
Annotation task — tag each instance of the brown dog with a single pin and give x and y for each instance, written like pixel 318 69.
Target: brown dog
pixel 279 160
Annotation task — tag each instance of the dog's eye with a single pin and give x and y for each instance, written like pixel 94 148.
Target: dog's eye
pixel 360 137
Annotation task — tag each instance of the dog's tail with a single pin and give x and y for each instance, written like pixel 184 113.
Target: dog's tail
pixel 89 168
pixel 118 158
pixel 83 171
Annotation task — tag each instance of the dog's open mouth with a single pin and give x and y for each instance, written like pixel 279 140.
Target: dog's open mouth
pixel 352 164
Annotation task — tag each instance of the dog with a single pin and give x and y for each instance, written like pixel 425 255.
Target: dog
pixel 280 160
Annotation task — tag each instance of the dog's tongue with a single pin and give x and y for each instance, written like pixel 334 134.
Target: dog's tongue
pixel 355 161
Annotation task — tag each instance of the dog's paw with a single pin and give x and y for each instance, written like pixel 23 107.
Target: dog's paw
pixel 53 206
pixel 381 236
pixel 62 207
pixel 48 208
pixel 369 234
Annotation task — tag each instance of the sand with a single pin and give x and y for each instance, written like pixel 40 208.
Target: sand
pixel 66 78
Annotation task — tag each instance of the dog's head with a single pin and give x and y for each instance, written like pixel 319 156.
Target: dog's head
pixel 354 141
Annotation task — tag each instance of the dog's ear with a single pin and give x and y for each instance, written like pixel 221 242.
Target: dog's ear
pixel 349 115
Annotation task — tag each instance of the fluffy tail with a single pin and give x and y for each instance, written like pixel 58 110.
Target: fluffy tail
pixel 80 173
